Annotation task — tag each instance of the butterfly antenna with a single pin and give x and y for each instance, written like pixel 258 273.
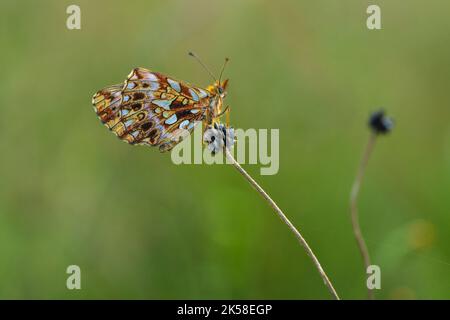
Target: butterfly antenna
pixel 202 64
pixel 223 68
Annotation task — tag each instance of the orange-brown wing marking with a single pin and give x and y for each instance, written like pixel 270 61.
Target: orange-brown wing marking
pixel 149 107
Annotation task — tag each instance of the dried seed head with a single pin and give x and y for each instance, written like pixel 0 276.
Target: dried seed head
pixel 217 137
pixel 379 123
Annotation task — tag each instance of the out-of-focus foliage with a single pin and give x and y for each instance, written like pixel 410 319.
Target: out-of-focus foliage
pixel 141 227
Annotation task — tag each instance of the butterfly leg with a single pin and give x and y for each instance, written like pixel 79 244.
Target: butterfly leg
pixel 205 124
pixel 227 114
pixel 228 111
pixel 223 112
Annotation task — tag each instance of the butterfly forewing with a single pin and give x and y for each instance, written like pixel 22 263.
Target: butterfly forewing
pixel 150 107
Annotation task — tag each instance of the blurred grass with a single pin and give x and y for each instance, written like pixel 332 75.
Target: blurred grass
pixel 141 227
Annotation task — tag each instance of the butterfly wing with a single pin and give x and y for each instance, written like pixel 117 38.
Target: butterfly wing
pixel 151 108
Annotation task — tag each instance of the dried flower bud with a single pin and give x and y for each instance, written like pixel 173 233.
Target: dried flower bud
pixel 380 123
pixel 217 137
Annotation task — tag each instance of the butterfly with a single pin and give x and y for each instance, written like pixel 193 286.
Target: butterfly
pixel 150 108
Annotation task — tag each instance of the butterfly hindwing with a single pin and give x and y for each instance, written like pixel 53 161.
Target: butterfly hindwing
pixel 149 108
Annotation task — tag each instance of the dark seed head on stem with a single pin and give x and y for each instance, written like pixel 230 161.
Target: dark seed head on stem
pixel 379 123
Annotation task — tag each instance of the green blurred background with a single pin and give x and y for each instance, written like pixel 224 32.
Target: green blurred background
pixel 142 227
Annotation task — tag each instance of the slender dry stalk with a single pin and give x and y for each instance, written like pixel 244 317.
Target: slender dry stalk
pixel 354 209
pixel 286 221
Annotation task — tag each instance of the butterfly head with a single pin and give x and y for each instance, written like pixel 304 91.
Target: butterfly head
pixel 219 88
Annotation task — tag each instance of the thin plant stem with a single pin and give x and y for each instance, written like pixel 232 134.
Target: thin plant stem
pixel 354 209
pixel 283 217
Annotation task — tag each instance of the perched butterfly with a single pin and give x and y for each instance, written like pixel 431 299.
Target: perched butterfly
pixel 149 108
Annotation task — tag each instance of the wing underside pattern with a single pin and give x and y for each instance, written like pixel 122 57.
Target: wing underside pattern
pixel 149 108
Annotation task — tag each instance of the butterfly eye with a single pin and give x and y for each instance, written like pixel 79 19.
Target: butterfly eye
pixel 220 89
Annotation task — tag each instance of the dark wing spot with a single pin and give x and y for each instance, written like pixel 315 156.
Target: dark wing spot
pixel 152 133
pixel 176 104
pixel 146 126
pixel 136 106
pixel 153 136
pixel 138 95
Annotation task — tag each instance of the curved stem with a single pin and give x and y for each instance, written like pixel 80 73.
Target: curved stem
pixel 286 221
pixel 354 209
